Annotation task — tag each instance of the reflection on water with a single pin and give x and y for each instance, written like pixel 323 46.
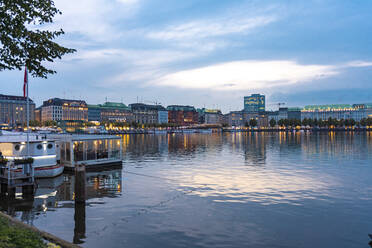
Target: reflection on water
pixel 295 189
pixel 63 192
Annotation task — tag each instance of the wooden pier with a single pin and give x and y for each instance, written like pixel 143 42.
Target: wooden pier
pixel 13 176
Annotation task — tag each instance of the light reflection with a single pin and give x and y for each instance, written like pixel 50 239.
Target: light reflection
pixel 262 186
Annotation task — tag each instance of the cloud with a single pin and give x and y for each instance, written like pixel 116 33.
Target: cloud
pixel 210 28
pixel 137 57
pixel 248 74
pixel 359 63
pixel 93 19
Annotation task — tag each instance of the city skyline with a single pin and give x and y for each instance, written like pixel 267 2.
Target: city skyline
pixel 209 54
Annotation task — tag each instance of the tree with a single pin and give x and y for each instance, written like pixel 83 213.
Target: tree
pixel 272 122
pixel 305 122
pixel 34 123
pixel 352 122
pixel 22 42
pixel 252 122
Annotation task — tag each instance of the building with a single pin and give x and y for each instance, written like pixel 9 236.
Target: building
pixel 235 119
pixel 254 103
pixel 294 113
pixel 337 111
pixel 285 113
pixel 94 113
pixel 57 109
pixel 147 114
pixel 210 116
pixel 162 116
pixel 182 115
pixel 38 114
pixel 261 118
pixel 13 110
pixel 110 111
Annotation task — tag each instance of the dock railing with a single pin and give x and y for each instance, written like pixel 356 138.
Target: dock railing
pixel 17 174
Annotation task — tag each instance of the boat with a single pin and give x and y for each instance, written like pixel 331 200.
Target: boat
pixel 93 151
pixel 13 146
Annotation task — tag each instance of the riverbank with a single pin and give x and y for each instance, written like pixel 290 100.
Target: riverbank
pixel 16 234
pixel 241 129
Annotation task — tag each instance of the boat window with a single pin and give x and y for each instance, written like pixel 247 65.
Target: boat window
pixel 39 146
pixel 50 146
pixel 17 147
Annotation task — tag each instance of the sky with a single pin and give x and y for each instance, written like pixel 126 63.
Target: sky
pixel 209 53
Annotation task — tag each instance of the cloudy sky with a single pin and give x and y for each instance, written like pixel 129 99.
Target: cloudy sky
pixel 210 53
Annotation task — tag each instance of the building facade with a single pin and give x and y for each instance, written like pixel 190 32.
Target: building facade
pixel 146 114
pixel 13 110
pixel 255 103
pixel 57 109
pixel 94 113
pixel 110 111
pixel 337 111
pixel 210 116
pixel 182 115
pixel 162 116
pixel 38 114
pixel 235 119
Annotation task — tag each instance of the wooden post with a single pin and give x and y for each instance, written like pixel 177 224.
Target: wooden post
pixel 4 189
pixel 80 183
pixel 80 197
pixel 11 191
pixel 27 191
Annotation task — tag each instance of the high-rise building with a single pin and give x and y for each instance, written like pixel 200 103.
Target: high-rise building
pixel 254 103
pixel 13 110
pixel 57 109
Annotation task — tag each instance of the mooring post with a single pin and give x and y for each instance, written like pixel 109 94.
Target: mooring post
pixel 80 183
pixel 80 197
pixel 11 191
pixel 27 191
pixel 4 189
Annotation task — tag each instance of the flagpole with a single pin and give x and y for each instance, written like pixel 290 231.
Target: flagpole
pixel 28 116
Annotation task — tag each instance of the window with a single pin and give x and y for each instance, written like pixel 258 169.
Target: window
pixel 39 146
pixel 17 147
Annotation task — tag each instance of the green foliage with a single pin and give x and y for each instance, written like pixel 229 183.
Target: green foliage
pixel 3 161
pixel 24 161
pixel 252 122
pixel 21 40
pixel 14 237
pixel 272 122
pixel 35 123
pixel 50 123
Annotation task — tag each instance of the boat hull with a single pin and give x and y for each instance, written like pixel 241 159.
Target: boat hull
pixel 48 171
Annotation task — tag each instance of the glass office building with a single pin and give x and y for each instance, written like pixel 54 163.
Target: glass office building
pixel 254 103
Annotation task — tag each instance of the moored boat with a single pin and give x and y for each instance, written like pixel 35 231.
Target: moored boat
pixel 13 147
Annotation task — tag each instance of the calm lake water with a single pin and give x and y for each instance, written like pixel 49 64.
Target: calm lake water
pixel 217 190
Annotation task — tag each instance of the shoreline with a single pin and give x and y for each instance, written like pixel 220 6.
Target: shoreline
pixel 223 130
pixel 44 235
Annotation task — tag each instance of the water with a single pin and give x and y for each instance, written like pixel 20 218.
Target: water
pixel 217 190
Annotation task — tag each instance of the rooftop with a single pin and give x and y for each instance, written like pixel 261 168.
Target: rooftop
pixel 109 105
pixel 13 98
pixel 180 108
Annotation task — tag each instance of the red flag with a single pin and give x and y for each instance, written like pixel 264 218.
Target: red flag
pixel 25 83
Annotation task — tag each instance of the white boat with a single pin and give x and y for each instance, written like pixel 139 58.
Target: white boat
pixel 13 146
